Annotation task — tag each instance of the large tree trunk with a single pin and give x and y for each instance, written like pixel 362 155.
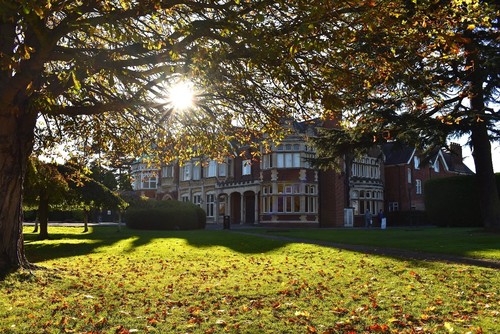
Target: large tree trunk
pixel 86 214
pixel 489 200
pixel 35 230
pixel 43 215
pixel 16 143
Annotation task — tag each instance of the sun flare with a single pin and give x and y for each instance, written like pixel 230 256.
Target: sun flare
pixel 181 95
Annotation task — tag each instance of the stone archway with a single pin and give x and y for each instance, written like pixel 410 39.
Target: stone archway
pixel 249 203
pixel 167 197
pixel 235 205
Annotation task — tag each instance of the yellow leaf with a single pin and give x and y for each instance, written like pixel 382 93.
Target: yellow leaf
pixel 75 81
pixel 39 12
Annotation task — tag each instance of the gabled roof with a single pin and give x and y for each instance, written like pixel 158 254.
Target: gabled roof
pixel 456 165
pixel 304 127
pixel 438 156
pixel 397 154
pixel 400 154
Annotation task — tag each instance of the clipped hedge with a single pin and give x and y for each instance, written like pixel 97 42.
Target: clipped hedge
pixel 407 218
pixel 165 215
pixel 453 201
pixel 56 215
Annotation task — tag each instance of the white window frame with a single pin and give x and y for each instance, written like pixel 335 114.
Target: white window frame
pixel 246 167
pixel 186 172
pixel 211 168
pixel 196 171
pixel 393 206
pixel 288 204
pixel 197 199
pixel 418 186
pixel 149 180
pixel 167 171
pixel 267 204
pixel 416 162
pixel 436 166
pixel 288 160
pixel 222 169
pixel 210 204
pixel 267 199
pixel 267 161
pixel 311 204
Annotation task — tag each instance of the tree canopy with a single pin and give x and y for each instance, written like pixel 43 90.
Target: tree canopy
pixel 48 186
pixel 420 73
pixel 94 76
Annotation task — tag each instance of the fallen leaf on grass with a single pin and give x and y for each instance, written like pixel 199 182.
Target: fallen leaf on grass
pixel 379 328
pixel 311 329
pixel 449 327
pixel 303 314
pixel 221 322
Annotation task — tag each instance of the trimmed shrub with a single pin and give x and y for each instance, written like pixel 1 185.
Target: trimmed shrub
pixel 164 215
pixel 453 201
pixel 407 218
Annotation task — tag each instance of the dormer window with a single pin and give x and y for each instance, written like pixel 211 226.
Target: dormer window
pixel 416 161
pixel 436 166
pixel 247 167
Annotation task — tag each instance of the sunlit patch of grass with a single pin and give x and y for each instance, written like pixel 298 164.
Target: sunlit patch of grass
pixel 219 281
pixel 455 241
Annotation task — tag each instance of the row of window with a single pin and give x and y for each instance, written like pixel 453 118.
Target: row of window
pixel 287 160
pixel 364 194
pixel 289 204
pixel 290 188
pixel 360 206
pixel 366 167
pixel 418 182
pixel 209 202
pixel 286 156
pixel 145 180
pixel 416 164
pixel 288 198
pixel 195 171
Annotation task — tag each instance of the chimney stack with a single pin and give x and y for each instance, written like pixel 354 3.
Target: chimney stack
pixel 456 151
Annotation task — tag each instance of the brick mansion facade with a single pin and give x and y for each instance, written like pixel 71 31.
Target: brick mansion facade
pixel 283 189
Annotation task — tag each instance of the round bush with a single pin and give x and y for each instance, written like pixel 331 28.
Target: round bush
pixel 165 215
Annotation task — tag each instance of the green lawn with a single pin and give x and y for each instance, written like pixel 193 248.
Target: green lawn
pixel 224 282
pixel 467 242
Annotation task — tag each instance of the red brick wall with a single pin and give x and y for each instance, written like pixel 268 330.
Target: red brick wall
pixel 397 188
pixel 331 199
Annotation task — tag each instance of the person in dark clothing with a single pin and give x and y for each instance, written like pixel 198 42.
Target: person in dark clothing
pixel 368 218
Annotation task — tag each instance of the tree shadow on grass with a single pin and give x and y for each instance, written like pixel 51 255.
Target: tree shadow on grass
pixel 68 244
pixel 61 245
pixel 75 243
pixel 417 258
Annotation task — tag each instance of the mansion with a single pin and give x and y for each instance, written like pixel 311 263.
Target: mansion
pixel 283 189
